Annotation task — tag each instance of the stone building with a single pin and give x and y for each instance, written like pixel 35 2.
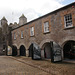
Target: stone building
pixel 56 27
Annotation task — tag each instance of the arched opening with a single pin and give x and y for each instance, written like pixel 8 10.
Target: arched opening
pixel 69 50
pixel 46 51
pixel 9 52
pixel 22 51
pixel 30 50
pixel 14 50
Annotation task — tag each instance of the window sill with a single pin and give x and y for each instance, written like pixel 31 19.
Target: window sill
pixel 46 32
pixel 22 38
pixel 32 36
pixel 14 39
pixel 69 27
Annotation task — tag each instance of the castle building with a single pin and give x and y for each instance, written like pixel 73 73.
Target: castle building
pixel 4 36
pixel 48 35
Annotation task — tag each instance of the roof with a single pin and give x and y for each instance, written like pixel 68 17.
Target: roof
pixel 4 18
pixel 22 16
pixel 55 11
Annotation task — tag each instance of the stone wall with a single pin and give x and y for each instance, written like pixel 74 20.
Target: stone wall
pixel 57 31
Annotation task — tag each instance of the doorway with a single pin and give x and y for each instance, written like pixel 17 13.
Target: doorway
pixel 69 50
pixel 46 50
pixel 22 51
pixel 14 51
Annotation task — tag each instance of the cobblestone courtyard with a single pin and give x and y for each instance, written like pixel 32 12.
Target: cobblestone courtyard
pixel 9 66
pixel 26 66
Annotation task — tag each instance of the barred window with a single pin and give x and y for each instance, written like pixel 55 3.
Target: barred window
pixel 32 31
pixel 68 20
pixel 46 27
pixel 21 34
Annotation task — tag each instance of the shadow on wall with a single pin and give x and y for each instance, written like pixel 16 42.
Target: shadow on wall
pixel 30 50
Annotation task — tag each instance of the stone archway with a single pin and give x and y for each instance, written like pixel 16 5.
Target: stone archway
pixel 46 52
pixel 22 50
pixel 14 50
pixel 69 49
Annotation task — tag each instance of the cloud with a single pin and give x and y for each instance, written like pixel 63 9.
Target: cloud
pixel 30 8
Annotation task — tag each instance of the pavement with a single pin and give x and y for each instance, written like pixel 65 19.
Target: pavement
pixel 26 66
pixel 60 68
pixel 10 66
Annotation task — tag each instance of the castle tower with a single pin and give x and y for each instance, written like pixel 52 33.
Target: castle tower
pixel 4 26
pixel 22 20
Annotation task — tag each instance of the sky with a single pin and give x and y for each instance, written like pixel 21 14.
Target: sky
pixel 32 9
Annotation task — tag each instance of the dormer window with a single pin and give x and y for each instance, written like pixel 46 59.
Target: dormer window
pixel 21 34
pixel 68 20
pixel 32 31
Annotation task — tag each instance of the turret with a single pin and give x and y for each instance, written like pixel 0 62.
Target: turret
pixel 22 20
pixel 4 25
pixel 3 21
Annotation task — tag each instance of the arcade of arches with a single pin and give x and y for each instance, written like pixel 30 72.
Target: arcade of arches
pixel 22 51
pixel 68 50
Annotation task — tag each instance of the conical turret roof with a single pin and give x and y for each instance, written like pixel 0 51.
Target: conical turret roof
pixel 22 16
pixel 4 18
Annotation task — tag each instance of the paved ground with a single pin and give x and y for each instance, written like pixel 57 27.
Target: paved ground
pixel 10 66
pixel 26 66
pixel 61 68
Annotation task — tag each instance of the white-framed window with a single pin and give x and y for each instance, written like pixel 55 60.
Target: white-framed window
pixel 68 20
pixel 21 34
pixel 46 27
pixel 14 36
pixel 32 31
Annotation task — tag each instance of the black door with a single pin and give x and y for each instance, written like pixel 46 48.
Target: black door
pixel 56 54
pixel 36 52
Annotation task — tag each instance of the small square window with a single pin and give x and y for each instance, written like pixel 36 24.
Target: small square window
pixel 32 31
pixel 68 20
pixel 46 27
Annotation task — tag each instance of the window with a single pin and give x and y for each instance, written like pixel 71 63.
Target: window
pixel 32 31
pixel 68 20
pixel 21 34
pixel 46 27
pixel 14 36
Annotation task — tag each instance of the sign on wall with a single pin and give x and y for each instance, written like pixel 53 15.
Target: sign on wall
pixel 56 52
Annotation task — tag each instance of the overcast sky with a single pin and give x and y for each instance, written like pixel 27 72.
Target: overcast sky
pixel 13 9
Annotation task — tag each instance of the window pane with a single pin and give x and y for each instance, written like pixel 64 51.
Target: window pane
pixel 68 20
pixel 46 27
pixel 21 34
pixel 31 31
